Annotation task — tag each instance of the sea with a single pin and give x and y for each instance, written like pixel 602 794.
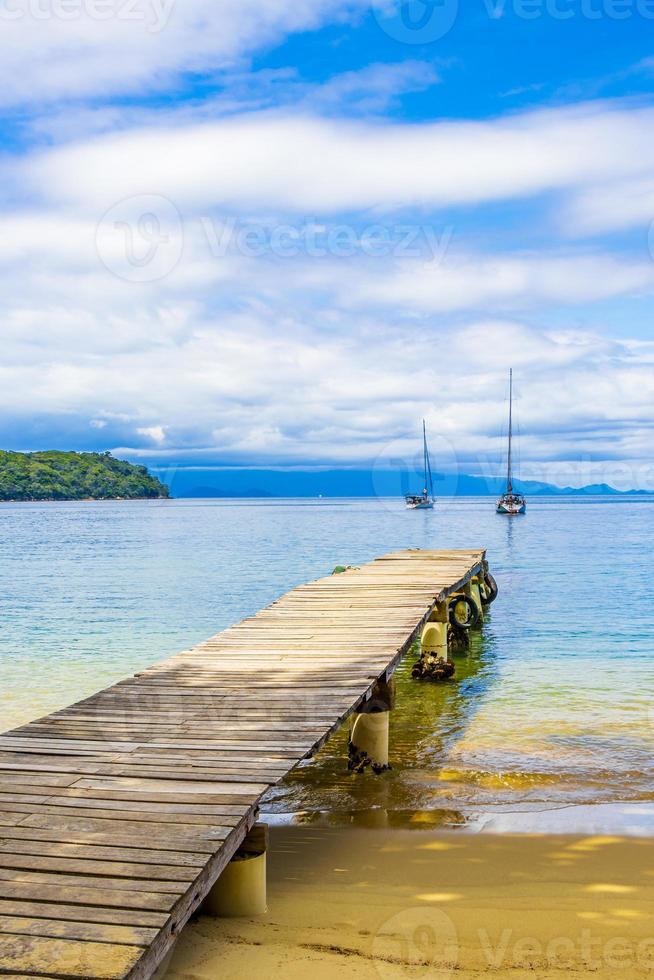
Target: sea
pixel 551 708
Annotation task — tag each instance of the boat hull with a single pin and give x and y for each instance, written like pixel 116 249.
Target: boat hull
pixel 423 505
pixel 511 509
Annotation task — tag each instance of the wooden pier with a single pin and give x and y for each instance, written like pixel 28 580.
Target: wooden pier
pixel 118 814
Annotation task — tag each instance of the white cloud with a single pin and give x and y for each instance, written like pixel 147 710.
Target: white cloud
pixel 45 255
pixel 285 379
pixel 366 91
pixel 104 47
pixel 156 433
pixel 283 369
pixel 303 163
pixel 371 89
pixel 532 280
pixel 612 206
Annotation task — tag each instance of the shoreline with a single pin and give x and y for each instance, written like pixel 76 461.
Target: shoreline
pixel 85 500
pixel 626 818
pixel 627 496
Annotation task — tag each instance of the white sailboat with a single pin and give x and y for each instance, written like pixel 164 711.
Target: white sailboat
pixel 424 500
pixel 511 502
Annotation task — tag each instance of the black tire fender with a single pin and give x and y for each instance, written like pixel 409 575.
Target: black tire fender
pixel 472 609
pixel 491 589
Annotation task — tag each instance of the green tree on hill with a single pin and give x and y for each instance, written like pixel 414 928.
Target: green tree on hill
pixel 55 475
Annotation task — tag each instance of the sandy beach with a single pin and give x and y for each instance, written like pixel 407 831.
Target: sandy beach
pixel 388 905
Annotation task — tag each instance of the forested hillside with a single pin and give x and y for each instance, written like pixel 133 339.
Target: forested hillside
pixel 57 475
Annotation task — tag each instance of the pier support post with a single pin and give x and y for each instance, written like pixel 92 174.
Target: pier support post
pixel 433 641
pixel 369 731
pixel 434 663
pixel 473 589
pixel 241 888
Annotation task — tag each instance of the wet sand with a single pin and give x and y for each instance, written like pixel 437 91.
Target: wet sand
pixel 395 904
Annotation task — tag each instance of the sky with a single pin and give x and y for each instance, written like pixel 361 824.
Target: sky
pixel 280 234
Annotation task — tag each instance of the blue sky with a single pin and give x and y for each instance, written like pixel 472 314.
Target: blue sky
pixel 276 234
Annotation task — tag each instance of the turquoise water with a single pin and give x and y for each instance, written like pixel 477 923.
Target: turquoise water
pixel 553 703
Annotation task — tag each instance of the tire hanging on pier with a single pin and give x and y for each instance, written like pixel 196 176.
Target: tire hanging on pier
pixel 491 589
pixel 464 612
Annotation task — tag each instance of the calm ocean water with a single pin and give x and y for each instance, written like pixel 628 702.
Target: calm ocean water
pixel 553 704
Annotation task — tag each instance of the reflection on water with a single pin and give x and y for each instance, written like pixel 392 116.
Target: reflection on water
pixel 552 703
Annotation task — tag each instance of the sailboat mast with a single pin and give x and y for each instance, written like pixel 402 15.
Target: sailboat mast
pixel 429 481
pixel 509 484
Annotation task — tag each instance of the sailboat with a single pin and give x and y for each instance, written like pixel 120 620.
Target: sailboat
pixel 511 502
pixel 424 500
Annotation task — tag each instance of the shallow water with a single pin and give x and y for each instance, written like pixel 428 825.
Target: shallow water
pixel 395 905
pixel 553 703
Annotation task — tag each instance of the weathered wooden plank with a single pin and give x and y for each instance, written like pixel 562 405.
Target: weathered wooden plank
pixel 132 795
pixel 125 803
pixel 8 819
pixel 96 932
pixel 181 845
pixel 36 891
pixel 117 814
pixel 39 957
pixel 150 859
pixel 92 882
pixel 58 912
pixel 138 830
pixel 10 860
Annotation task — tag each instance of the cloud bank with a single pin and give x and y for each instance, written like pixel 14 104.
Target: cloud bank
pixel 299 286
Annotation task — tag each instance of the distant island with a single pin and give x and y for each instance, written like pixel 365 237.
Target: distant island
pixel 55 475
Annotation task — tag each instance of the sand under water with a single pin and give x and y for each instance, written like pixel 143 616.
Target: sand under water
pixel 398 904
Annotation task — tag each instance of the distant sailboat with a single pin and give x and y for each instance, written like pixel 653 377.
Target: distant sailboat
pixel 424 500
pixel 511 502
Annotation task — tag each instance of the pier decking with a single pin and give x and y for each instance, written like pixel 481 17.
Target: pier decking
pixel 118 814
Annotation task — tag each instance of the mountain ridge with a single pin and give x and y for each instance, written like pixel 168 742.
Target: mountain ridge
pixel 269 483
